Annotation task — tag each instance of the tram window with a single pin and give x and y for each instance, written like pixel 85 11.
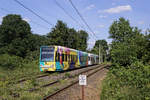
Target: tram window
pixel 68 57
pixel 56 57
pixel 62 57
pixel 65 57
pixel 74 58
pixel 81 58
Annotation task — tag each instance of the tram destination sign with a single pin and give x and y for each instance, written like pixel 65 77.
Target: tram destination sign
pixel 82 80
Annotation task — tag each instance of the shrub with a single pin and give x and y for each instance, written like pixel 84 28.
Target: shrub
pixel 127 83
pixel 123 54
pixel 10 61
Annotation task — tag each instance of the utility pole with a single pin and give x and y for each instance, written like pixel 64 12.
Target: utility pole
pixel 99 55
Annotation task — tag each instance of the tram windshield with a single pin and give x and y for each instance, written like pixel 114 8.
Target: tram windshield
pixel 47 54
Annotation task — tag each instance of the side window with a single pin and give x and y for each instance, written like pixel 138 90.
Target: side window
pixel 81 58
pixel 56 57
pixel 65 57
pixel 62 57
pixel 74 58
pixel 70 58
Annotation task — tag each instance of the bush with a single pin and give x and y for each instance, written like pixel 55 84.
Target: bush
pixel 33 55
pixel 123 54
pixel 10 61
pixel 130 83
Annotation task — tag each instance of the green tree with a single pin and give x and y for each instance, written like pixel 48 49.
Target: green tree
pixel 69 37
pixel 103 48
pixel 120 30
pixel 13 35
pixel 129 44
pixel 146 57
pixel 72 38
pixel 82 40
pixel 13 27
pixel 59 34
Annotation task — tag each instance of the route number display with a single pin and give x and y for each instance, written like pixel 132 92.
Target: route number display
pixel 82 80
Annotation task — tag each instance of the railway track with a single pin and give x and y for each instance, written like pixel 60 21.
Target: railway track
pixel 74 82
pixel 63 78
pixel 25 79
pixel 39 76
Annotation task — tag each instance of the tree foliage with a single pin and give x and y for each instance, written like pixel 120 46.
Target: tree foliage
pixel 129 44
pixel 13 27
pixel 13 35
pixel 103 46
pixel 68 37
pixel 120 30
pixel 128 78
pixel 59 34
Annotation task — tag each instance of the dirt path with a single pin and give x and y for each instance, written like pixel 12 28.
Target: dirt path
pixel 92 90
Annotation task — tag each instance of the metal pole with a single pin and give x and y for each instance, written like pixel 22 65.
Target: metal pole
pixel 99 55
pixel 82 92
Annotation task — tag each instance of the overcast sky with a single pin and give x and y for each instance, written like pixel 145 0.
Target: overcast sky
pixel 99 14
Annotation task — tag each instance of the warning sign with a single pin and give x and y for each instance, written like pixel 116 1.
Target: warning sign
pixel 82 80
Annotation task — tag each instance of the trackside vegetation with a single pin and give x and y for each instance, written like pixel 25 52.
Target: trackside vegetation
pixel 129 75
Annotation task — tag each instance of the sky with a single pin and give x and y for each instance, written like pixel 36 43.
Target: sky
pixel 99 14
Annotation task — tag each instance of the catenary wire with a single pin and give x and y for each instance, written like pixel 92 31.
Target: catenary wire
pixel 5 10
pixel 82 18
pixel 33 12
pixel 68 14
